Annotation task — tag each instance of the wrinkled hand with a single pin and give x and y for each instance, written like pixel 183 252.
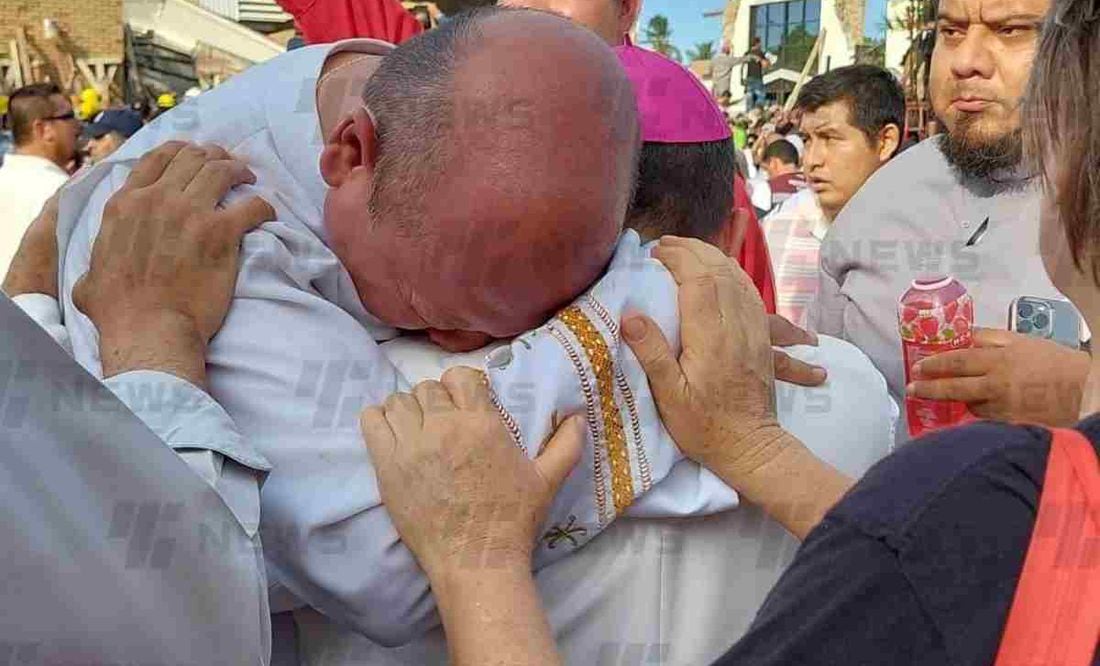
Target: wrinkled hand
pixel 33 269
pixel 459 491
pixel 1007 376
pixel 718 398
pixel 165 260
pixel 787 368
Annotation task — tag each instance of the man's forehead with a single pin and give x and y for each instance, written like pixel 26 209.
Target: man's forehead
pixel 834 115
pixel 992 11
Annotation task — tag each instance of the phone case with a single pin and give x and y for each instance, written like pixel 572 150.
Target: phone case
pixel 1046 318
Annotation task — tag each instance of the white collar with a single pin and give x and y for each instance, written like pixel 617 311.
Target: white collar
pixel 21 161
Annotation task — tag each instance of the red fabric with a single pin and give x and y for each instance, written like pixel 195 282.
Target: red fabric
pixel 322 21
pixel 788 183
pixel 754 258
pixel 1055 616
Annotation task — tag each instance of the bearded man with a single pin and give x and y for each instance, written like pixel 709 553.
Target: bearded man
pixel 960 204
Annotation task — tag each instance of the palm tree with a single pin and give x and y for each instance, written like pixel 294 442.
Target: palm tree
pixel 702 51
pixel 918 21
pixel 659 36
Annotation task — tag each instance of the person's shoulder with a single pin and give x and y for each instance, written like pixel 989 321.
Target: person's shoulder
pixel 919 171
pixel 896 490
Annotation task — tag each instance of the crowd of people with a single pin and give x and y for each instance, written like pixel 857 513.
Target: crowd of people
pixel 507 345
pixel 52 138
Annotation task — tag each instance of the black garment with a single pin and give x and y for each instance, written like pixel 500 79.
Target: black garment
pixel 754 70
pixel 918 564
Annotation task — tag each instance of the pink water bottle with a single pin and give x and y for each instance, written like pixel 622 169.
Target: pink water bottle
pixel 935 315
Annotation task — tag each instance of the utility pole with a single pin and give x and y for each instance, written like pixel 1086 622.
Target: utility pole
pixel 729 16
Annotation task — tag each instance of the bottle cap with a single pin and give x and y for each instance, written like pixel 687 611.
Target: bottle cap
pixel 932 282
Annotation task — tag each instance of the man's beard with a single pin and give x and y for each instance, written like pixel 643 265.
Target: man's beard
pixel 974 155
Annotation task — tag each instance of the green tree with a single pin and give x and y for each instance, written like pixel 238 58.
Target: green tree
pixel 917 19
pixel 702 51
pixel 871 52
pixel 659 37
pixel 796 48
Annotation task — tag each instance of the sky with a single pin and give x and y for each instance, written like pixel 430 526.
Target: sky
pixel 685 18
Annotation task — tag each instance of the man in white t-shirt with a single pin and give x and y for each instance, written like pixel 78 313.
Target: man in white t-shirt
pixel 45 130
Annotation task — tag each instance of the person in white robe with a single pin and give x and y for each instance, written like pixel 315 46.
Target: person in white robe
pixel 299 356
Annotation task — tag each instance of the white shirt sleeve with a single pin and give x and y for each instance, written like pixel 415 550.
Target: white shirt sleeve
pixel 293 370
pixel 188 420
pixel 181 414
pixel 46 312
pixel 116 551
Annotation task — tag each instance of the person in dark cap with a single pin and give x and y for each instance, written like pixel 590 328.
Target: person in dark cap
pixel 109 130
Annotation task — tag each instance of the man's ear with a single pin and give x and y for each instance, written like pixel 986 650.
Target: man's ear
pixel 42 130
pixel 352 144
pixel 889 139
pixel 628 14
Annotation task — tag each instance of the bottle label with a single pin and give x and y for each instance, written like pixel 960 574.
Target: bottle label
pixel 947 325
pixel 926 332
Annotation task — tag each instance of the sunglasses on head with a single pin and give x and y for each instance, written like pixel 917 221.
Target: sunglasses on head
pixel 71 115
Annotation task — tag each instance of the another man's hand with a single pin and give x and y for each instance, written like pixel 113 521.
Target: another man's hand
pixel 718 399
pixel 1008 377
pixel 787 368
pixel 461 494
pixel 164 264
pixel 719 396
pixel 33 269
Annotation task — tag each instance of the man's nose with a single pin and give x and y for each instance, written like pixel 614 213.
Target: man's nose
pixel 814 157
pixel 973 57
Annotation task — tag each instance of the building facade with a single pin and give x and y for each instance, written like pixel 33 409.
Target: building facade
pixel 788 30
pixel 71 43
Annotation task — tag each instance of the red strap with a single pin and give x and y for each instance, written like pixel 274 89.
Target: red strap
pixel 1055 616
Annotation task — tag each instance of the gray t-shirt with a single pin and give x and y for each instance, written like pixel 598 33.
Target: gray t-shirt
pixel 917 216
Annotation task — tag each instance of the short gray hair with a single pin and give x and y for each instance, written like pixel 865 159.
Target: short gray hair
pixel 411 100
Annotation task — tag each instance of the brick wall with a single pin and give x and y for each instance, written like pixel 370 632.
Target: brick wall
pixel 88 29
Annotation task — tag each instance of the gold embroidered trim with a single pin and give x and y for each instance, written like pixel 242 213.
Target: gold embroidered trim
pixel 593 424
pixel 644 470
pixel 600 358
pixel 636 428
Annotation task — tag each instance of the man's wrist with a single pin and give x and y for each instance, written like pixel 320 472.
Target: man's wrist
pixel 778 473
pixel 463 577
pixel 164 341
pixel 756 449
pixel 461 569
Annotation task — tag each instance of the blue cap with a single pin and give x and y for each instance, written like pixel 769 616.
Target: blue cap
pixel 123 121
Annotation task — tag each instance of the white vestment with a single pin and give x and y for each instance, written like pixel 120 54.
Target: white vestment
pixel 298 358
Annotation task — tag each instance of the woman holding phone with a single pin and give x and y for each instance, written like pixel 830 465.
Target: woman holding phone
pixel 974 545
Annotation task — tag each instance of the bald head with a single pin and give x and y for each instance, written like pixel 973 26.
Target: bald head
pixel 610 19
pixel 506 151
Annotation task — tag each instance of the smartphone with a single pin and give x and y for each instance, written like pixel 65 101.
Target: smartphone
pixel 1046 318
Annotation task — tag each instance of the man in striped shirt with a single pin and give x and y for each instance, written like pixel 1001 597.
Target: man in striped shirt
pixel 851 124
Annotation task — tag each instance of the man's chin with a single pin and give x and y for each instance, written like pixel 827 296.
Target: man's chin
pixel 980 147
pixel 457 342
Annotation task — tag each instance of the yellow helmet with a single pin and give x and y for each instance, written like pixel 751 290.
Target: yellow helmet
pixel 90 104
pixel 166 101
